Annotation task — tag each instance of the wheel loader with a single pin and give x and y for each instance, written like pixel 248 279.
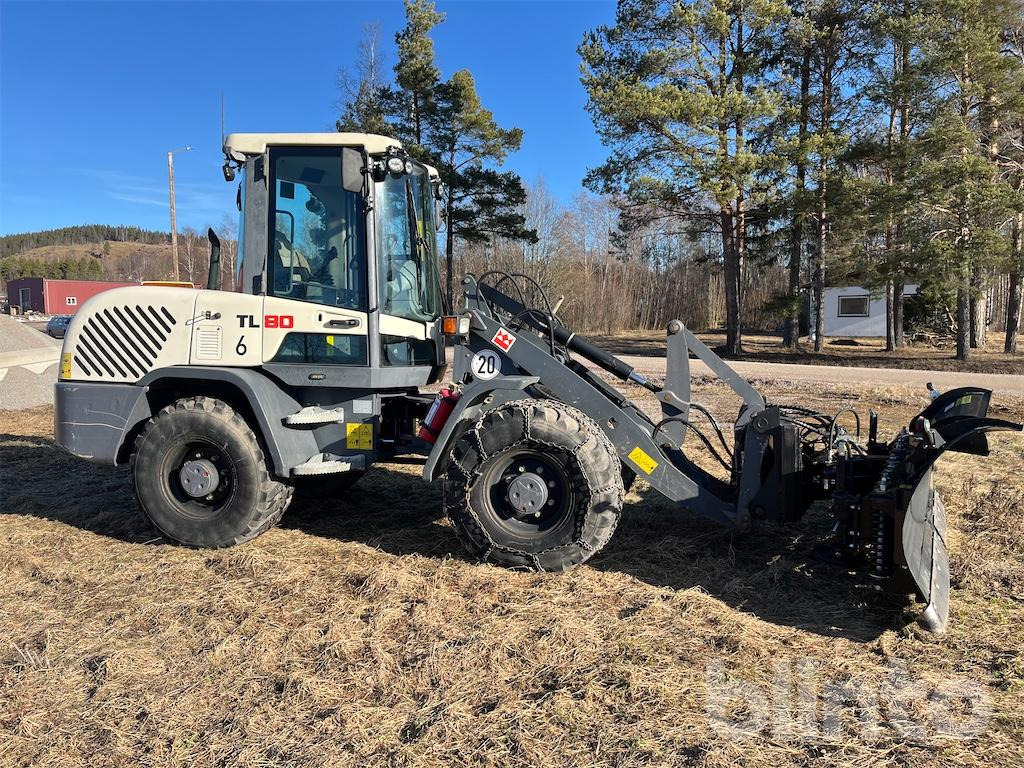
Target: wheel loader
pixel 225 402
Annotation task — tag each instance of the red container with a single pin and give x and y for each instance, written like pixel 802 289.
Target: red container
pixel 438 415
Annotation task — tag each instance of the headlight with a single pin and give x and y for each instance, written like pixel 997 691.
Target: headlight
pixel 397 164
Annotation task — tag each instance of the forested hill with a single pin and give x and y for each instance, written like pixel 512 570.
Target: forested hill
pixel 12 245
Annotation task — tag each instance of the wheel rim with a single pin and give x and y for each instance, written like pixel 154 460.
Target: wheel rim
pixel 196 496
pixel 516 503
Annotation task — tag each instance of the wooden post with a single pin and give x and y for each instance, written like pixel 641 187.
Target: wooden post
pixel 174 230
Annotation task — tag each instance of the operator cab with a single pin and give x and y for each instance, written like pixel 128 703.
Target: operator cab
pixel 346 222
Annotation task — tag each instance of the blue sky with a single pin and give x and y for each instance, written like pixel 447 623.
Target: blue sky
pixel 93 95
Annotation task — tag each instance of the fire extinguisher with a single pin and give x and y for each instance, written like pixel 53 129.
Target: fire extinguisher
pixel 438 414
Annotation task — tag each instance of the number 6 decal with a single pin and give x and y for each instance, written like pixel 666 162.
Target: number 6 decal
pixel 240 348
pixel 486 365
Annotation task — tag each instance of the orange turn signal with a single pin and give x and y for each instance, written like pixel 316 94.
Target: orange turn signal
pixel 454 325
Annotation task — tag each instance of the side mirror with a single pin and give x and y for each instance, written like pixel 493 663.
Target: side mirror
pixel 352 170
pixel 439 191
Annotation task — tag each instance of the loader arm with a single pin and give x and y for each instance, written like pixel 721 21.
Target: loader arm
pixel 542 348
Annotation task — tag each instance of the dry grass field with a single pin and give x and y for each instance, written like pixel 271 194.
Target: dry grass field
pixel 357 633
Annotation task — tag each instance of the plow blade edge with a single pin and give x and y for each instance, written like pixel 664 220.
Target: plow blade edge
pixel 924 547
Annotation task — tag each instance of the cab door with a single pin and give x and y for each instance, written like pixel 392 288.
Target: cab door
pixel 304 332
pixel 315 310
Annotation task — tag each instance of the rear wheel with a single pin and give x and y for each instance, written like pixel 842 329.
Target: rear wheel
pixel 536 484
pixel 201 478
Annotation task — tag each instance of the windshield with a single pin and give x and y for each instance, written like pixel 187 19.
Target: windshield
pixel 407 246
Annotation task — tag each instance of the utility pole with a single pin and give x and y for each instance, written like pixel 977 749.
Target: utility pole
pixel 174 228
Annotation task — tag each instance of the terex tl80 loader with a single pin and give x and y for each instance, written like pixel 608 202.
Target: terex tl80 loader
pixel 224 402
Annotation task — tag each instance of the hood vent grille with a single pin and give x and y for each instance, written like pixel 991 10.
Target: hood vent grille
pixel 122 341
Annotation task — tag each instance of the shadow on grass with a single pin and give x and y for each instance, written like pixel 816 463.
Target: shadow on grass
pixel 767 573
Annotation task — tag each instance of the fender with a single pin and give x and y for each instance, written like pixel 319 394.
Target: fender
pixel 268 402
pixel 469 406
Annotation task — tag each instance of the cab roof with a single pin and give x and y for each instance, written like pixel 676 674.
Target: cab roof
pixel 238 145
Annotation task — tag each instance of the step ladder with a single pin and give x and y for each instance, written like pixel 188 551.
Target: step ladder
pixel 329 464
pixel 314 414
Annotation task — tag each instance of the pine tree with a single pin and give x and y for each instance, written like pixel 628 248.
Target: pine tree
pixel 480 202
pixel 885 154
pixel 962 183
pixel 676 90
pixel 444 123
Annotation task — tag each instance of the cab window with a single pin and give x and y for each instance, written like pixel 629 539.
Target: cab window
pixel 318 241
pixel 407 246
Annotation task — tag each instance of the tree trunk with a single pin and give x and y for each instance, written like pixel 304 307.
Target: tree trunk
pixel 825 124
pixel 890 229
pixel 818 283
pixel 1013 303
pixel 741 247
pixel 979 310
pixel 897 311
pixel 890 318
pixel 732 299
pixel 791 331
pixel 818 268
pixel 901 170
pixel 740 242
pixel 963 319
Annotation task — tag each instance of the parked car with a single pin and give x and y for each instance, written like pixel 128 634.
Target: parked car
pixel 58 326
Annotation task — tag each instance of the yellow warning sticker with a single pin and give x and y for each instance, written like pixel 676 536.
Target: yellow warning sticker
pixel 639 457
pixel 65 366
pixel 359 437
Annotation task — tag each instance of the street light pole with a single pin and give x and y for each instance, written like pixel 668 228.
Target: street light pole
pixel 174 228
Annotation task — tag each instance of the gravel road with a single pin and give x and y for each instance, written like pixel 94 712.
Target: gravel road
pixel 834 374
pixel 28 365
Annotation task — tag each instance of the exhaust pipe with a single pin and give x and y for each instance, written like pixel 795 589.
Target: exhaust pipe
pixel 213 279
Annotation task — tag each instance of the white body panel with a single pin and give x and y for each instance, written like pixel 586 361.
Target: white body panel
pixel 122 334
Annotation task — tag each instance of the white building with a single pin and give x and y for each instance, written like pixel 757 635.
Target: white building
pixel 851 311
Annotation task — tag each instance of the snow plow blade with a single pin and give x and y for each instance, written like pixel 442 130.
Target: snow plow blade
pixel 893 521
pixel 924 548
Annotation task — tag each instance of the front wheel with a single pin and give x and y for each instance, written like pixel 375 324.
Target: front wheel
pixel 201 478
pixel 535 484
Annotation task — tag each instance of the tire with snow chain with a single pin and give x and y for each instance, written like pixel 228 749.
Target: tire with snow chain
pixel 534 484
pixel 201 478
